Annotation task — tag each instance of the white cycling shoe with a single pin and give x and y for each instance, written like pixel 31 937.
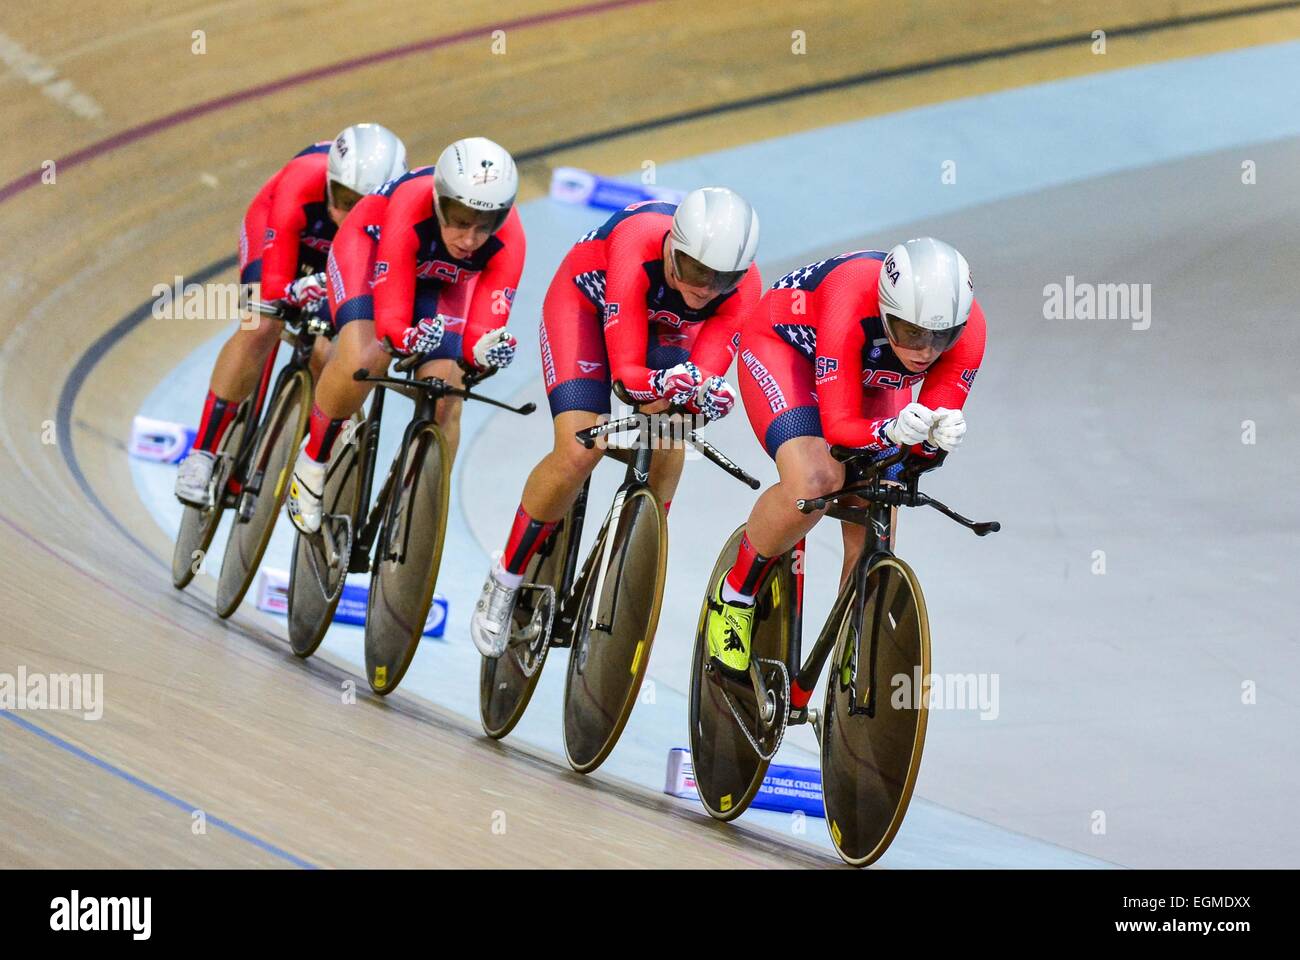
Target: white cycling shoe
pixel 305 492
pixel 194 478
pixel 489 627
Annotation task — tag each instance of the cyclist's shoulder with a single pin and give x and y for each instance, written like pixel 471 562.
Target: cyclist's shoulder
pixel 319 149
pixel 403 185
pixel 407 200
pixel 856 266
pixel 647 219
pixel 302 178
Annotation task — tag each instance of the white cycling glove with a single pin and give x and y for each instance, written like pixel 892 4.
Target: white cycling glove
pixel 911 426
pixel 948 428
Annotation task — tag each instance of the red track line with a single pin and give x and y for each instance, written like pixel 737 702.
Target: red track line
pixel 132 134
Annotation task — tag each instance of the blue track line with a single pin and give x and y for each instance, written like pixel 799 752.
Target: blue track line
pixel 156 791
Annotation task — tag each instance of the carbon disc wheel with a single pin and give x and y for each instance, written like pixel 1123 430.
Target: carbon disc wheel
pixel 198 526
pixel 320 566
pixel 728 769
pixel 876 708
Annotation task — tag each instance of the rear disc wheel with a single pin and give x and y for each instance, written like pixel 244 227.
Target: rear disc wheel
pixel 199 526
pixel 319 567
pixel 728 769
pixel 506 683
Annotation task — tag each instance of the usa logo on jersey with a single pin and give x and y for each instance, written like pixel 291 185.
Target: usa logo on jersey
pixel 826 365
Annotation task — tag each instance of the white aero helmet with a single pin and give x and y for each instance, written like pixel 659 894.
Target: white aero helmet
pixel 714 239
pixel 364 157
pixel 478 174
pixel 926 294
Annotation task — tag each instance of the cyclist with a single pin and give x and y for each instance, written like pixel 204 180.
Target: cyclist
pixel 830 356
pixel 650 301
pixel 427 265
pixel 283 243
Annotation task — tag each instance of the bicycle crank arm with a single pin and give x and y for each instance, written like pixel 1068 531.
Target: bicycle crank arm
pixel 764 697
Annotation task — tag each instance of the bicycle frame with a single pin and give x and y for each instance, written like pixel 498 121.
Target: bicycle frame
pixel 426 407
pixel 636 477
pixel 295 332
pixel 425 392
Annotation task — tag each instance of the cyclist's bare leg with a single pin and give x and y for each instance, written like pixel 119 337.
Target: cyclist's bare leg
pixel 807 470
pixel 449 408
pixel 666 471
pixel 855 538
pixel 553 485
pixel 320 356
pixel 239 364
pixel 337 394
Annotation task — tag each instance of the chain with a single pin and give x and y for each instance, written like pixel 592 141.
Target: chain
pixel 345 555
pixel 544 634
pixel 780 732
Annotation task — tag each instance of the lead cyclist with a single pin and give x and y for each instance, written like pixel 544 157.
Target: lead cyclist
pixel 830 356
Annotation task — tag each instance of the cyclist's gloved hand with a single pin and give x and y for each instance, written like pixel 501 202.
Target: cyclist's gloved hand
pixel 424 337
pixel 714 398
pixel 947 429
pixel 306 290
pixel 495 349
pixel 676 384
pixel 911 426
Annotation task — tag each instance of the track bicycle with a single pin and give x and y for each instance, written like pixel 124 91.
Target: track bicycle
pixel 871 728
pixel 604 608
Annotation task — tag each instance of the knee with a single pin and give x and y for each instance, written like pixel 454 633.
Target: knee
pixel 259 333
pixel 374 357
pixel 575 459
pixel 818 479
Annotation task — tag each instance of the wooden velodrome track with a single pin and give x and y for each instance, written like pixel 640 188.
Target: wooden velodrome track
pixel 213 717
